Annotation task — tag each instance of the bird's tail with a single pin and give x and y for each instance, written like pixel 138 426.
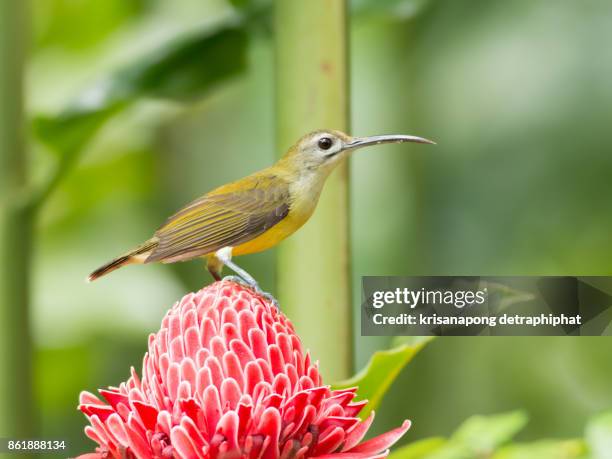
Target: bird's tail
pixel 137 255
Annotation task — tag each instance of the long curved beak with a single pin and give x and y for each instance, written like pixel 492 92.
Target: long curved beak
pixel 358 142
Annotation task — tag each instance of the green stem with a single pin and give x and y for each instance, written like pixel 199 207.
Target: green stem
pixel 16 410
pixel 312 93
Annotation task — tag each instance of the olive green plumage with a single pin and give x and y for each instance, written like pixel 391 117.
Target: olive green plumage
pixel 254 213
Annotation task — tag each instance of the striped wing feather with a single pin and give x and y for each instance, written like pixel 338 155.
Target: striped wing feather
pixel 228 216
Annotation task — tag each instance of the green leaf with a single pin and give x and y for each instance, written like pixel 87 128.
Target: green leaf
pixel 252 4
pixel 402 9
pixel 483 434
pixel 420 449
pixel 452 451
pixel 544 449
pixel 184 69
pixel 67 135
pixel 599 436
pixel 69 131
pixel 375 379
pixel 79 25
pixel 240 4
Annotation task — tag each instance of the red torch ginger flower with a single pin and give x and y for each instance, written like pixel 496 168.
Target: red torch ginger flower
pixel 226 377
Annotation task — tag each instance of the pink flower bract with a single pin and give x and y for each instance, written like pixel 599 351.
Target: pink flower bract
pixel 226 377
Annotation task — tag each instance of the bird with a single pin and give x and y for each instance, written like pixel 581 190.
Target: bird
pixel 254 213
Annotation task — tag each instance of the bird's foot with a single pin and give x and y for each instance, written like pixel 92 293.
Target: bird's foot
pixel 269 297
pixel 255 287
pixel 237 280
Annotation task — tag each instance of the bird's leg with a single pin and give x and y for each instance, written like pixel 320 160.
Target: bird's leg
pixel 224 255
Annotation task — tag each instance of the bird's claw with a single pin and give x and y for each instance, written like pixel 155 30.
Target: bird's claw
pixel 269 297
pixel 237 280
pixel 256 288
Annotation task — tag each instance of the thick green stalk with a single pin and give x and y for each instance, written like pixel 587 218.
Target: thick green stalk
pixel 312 93
pixel 16 418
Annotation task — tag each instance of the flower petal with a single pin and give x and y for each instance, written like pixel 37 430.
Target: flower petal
pixel 356 434
pixel 382 442
pixel 183 445
pixel 226 376
pixel 353 455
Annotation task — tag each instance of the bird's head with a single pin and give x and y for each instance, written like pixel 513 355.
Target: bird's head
pixel 321 150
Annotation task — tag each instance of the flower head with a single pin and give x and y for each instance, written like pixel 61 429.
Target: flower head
pixel 226 377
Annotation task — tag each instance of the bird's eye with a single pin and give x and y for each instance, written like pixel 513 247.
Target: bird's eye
pixel 325 143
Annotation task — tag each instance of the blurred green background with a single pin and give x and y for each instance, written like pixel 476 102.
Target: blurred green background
pixel 518 96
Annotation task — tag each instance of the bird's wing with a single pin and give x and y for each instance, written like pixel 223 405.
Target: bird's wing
pixel 228 216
